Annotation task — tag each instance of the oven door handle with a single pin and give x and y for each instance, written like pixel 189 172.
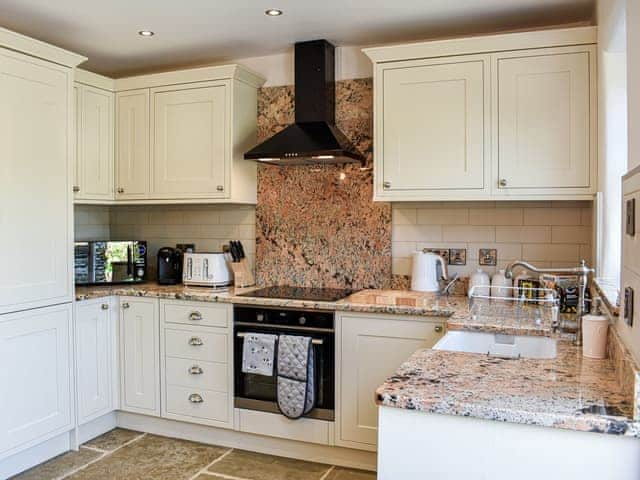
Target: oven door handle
pixel 314 341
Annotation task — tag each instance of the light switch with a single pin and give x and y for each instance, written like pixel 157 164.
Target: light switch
pixel 630 215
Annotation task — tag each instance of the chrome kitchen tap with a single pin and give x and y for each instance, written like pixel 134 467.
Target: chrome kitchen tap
pixel 581 271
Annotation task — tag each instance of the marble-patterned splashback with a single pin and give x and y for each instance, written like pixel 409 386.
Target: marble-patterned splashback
pixel 318 226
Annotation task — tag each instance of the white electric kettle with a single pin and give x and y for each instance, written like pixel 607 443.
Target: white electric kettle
pixel 428 270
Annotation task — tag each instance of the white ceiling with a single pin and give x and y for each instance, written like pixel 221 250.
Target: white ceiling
pixel 191 32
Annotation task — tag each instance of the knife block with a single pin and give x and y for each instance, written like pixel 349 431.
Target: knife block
pixel 242 275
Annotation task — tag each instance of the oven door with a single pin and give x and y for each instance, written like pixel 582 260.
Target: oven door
pixel 258 392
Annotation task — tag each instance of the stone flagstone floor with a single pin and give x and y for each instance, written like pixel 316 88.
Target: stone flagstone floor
pixel 127 455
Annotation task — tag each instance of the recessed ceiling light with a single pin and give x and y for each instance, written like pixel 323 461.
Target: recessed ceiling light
pixel 273 12
pixel 146 33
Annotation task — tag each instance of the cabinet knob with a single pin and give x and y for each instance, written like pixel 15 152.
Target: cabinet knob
pixel 438 328
pixel 503 182
pixel 195 316
pixel 195 341
pixel 120 190
pixel 125 305
pixel 220 188
pixel 196 398
pixel 76 189
pixel 196 370
pixel 386 184
pixel 104 306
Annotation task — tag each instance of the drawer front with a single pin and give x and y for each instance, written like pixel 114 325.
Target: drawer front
pixel 196 345
pixel 197 374
pixel 195 313
pixel 213 405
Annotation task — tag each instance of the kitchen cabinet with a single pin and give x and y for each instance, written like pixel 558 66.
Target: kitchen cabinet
pixel 544 109
pixel 96 358
pixel 370 349
pixel 133 167
pixel 434 125
pixel 36 141
pixel 36 357
pixel 190 146
pixel 196 346
pixel 139 355
pixel 94 144
pixel 510 116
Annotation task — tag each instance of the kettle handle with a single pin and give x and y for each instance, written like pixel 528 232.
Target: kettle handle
pixel 443 267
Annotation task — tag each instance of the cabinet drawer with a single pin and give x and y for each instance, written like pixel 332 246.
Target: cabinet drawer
pixel 197 374
pixel 195 313
pixel 196 345
pixel 214 405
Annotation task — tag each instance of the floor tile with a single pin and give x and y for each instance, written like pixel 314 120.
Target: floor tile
pixel 349 474
pixel 153 457
pixel 113 439
pixel 257 466
pixel 60 465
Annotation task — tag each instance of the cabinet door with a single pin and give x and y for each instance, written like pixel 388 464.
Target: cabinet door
pixel 139 355
pixel 371 350
pixel 95 159
pixel 36 143
pixel 94 359
pixel 433 125
pixel 545 118
pixel 190 142
pixel 132 144
pixel 35 354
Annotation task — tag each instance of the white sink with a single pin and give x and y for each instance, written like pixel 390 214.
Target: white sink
pixel 498 345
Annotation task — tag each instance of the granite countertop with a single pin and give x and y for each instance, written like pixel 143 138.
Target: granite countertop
pixel 550 393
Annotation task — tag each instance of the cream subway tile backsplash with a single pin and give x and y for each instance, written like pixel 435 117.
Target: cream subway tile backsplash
pixel 546 233
pixel 92 222
pixel 208 226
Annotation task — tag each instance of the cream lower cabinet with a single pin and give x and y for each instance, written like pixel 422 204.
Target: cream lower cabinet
pixel 35 378
pixel 140 355
pixel 432 128
pixel 96 358
pixel 370 348
pixel 94 144
pixel 132 145
pixel 190 141
pixel 545 121
pixel 196 362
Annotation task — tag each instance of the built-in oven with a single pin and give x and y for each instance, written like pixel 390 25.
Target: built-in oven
pixel 258 392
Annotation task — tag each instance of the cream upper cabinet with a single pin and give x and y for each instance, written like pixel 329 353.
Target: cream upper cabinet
pixel 544 113
pixel 432 129
pixel 370 350
pixel 509 116
pixel 94 144
pixel 190 141
pixel 36 143
pixel 133 166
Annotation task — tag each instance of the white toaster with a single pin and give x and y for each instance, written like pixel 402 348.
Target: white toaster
pixel 206 269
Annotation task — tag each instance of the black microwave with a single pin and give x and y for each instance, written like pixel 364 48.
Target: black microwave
pixel 106 262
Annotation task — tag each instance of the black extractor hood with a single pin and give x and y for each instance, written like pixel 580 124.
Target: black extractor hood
pixel 314 137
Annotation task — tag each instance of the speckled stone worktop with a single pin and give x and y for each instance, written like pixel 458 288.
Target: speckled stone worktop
pixel 550 393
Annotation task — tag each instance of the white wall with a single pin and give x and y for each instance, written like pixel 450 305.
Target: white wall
pixel 633 80
pixel 612 130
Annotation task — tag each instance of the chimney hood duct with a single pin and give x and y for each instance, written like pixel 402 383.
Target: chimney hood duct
pixel 313 138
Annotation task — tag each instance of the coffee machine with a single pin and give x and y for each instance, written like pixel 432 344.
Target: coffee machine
pixel 169 266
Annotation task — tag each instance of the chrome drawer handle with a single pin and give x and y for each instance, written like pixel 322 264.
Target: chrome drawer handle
pixel 195 316
pixel 220 188
pixel 386 184
pixel 503 182
pixel 195 341
pixel 76 189
pixel 125 305
pixel 196 398
pixel 196 370
pixel 438 328
pixel 104 306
